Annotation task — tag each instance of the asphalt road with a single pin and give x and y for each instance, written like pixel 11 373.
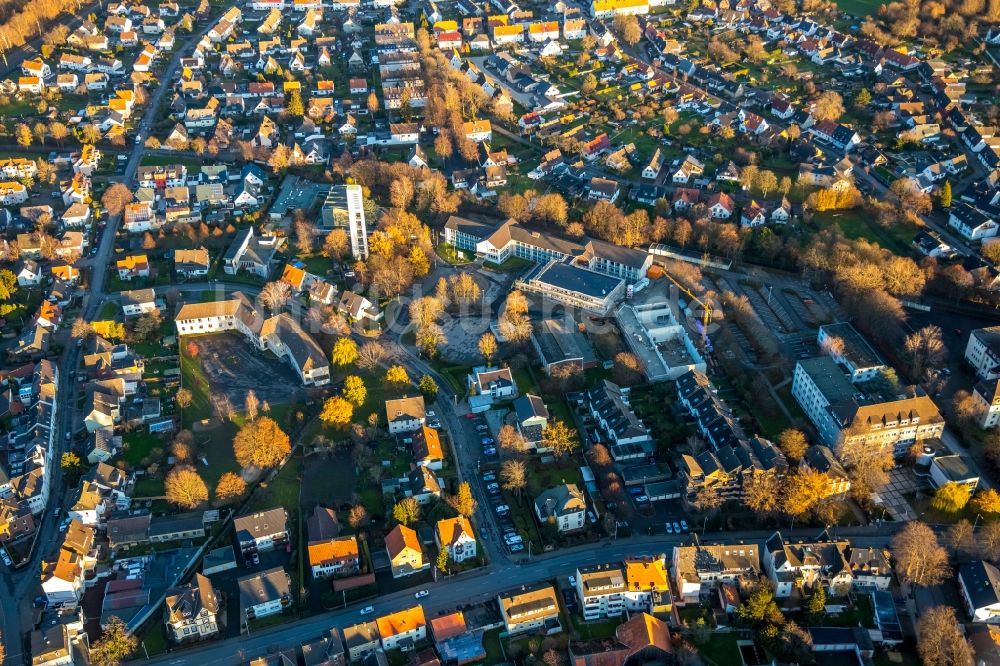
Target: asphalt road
pixel 450 593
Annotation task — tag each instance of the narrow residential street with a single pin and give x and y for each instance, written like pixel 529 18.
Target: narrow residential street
pixel 15 601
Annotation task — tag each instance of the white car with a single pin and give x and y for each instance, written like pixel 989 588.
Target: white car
pixel 5 557
pixel 421 594
pixel 503 508
pixel 514 539
pixel 572 581
pixel 367 610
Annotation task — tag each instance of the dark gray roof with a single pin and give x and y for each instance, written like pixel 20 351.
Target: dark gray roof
pixel 982 583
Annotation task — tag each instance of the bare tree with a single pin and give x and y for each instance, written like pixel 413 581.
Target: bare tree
pixel 920 559
pixel 274 295
pixel 371 355
pixel 514 475
pixel 940 641
pixel 926 349
pixel 251 404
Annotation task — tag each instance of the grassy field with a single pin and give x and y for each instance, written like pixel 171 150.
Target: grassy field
pixel 859 8
pixel 721 650
pixel 855 224
pixel 193 379
pixel 165 160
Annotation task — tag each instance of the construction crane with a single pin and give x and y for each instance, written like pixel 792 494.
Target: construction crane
pixel 706 307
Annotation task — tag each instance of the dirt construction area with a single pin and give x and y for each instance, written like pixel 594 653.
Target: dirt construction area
pixel 232 367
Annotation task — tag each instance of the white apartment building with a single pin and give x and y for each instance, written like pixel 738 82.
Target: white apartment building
pixel 982 352
pixel 344 207
pixel 601 591
pixel 266 593
pixel 848 348
pixel 647 585
pixel 840 410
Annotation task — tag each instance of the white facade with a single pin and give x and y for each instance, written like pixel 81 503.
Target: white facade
pixel 982 352
pixel 601 592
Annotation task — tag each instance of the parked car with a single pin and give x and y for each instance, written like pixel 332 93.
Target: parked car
pixel 5 557
pixel 684 525
pixel 421 594
pixel 572 580
pixel 430 413
pixel 367 610
pixel 490 476
pixel 435 424
pixel 503 508
pixel 670 528
pixel 64 525
pixel 488 440
pixel 516 547
pixel 493 488
pixel 490 451
pixel 514 539
pixel 642 499
pixel 591 517
pixel 677 528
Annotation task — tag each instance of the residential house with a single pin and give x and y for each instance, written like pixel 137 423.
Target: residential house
pixel 261 531
pixel 332 557
pixel 455 535
pixel 405 414
pixel 133 266
pixel 192 611
pixel 700 568
pixel 643 639
pixel 137 302
pixel 532 417
pixel 647 585
pixel 562 505
pixel 263 594
pixel 361 640
pixel 405 555
pixel 403 629
pixel 982 352
pixel 426 448
pixel 192 263
pixel 531 608
pixel 358 308
pixel 804 566
pixel 62 579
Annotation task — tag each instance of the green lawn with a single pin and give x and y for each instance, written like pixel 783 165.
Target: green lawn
pixel 139 445
pixel 721 650
pixel 193 379
pixel 510 265
pixel 595 630
pixel 166 160
pixel 282 490
pixel 109 310
pixel 856 224
pixel 146 487
pixel 859 8
pixel 153 642
pixel 453 255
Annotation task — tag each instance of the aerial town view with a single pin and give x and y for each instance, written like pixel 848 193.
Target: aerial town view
pixel 509 332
